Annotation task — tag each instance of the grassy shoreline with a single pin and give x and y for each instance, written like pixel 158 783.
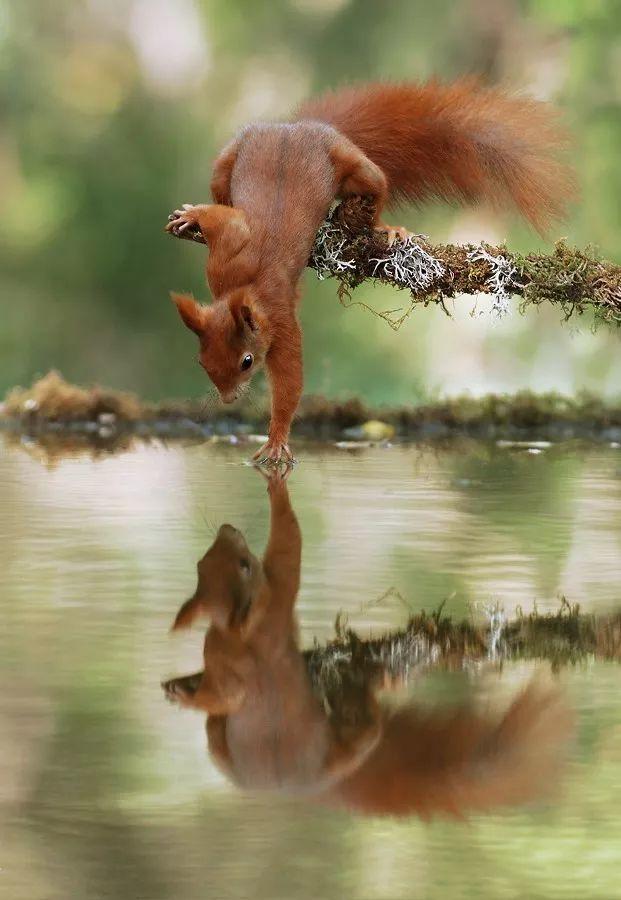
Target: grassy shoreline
pixel 54 409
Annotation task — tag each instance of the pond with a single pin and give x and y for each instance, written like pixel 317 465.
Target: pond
pixel 107 789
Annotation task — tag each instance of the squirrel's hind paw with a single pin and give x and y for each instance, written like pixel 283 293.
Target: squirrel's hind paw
pixel 393 232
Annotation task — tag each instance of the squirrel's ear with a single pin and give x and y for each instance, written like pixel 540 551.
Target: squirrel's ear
pixel 190 611
pixel 241 307
pixel 192 313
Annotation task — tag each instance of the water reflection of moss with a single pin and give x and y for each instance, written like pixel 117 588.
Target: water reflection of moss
pixel 438 641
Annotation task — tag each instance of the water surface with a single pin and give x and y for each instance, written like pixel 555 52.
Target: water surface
pixel 107 791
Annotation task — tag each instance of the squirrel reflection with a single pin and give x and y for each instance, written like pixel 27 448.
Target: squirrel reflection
pixel 269 728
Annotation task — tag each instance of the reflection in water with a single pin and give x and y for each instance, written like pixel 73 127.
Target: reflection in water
pixel 106 791
pixel 270 727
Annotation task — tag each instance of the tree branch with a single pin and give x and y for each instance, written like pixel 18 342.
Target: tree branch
pixel 434 641
pixel 347 248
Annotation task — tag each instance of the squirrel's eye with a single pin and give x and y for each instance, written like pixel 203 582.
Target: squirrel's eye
pixel 246 362
pixel 245 565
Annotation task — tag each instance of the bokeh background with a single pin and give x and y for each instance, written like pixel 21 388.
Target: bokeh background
pixel 112 111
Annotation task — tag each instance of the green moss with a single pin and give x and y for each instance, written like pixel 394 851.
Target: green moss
pixel 575 280
pixel 345 669
pixel 566 637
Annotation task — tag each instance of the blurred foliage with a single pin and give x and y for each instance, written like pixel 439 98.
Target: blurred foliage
pixel 112 110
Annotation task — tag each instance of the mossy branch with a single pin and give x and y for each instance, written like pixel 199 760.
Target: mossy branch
pixel 347 248
pixel 339 668
pixel 435 641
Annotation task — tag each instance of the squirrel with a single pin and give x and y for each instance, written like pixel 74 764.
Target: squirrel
pixel 265 726
pixel 273 185
pixel 270 728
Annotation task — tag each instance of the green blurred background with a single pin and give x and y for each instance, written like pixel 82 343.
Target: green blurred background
pixel 112 111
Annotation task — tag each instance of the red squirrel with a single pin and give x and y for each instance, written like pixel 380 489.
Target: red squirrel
pixel 265 727
pixel 269 728
pixel 273 185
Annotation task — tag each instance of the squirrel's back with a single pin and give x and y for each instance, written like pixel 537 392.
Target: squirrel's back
pixel 457 142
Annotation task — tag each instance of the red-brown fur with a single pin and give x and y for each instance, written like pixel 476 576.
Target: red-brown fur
pixel 274 184
pixel 266 728
pixel 456 142
pixel 458 761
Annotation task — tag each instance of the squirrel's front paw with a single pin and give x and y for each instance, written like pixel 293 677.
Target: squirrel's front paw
pixel 273 453
pixel 275 475
pixel 182 220
pixel 177 690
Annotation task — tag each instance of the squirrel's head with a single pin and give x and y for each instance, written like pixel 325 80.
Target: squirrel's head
pixel 233 338
pixel 229 579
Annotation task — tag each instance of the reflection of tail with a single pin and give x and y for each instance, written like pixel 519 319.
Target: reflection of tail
pixel 457 762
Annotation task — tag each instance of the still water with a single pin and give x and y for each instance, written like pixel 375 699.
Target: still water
pixel 107 789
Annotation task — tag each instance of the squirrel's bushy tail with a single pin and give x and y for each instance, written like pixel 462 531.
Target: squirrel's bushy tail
pixel 459 762
pixel 457 142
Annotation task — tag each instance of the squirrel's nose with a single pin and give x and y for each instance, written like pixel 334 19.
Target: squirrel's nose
pixel 228 396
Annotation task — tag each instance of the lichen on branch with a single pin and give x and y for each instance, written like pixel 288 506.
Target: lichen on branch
pixel 347 248
pixel 574 280
pixel 436 641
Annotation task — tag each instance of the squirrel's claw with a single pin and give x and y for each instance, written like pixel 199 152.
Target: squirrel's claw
pixel 182 219
pixel 176 692
pixel 273 453
pixel 393 232
pixel 276 475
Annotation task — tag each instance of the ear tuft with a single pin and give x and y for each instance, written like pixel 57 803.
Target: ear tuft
pixel 192 313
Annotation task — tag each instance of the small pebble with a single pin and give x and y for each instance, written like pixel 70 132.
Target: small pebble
pixel 373 430
pixel 224 439
pixel 353 445
pixel 537 445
